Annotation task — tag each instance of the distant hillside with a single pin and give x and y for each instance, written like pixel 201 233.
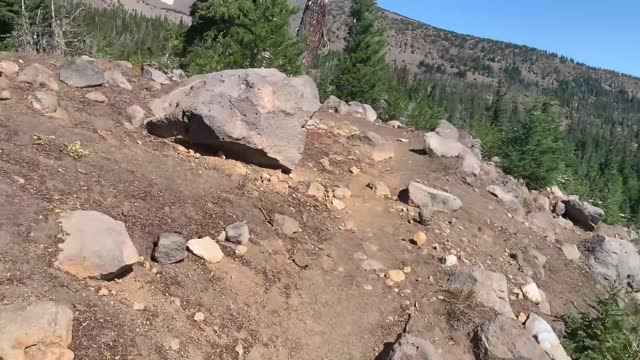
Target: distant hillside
pixel 423 47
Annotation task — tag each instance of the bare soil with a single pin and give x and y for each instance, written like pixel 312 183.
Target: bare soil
pixel 298 297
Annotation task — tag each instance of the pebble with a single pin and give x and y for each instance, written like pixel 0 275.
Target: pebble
pixel 450 261
pixel 368 287
pixel 338 204
pixel 354 170
pixel 103 292
pixel 406 269
pixel 522 318
pixel 199 316
pixel 138 306
pixel 241 250
pixel 396 275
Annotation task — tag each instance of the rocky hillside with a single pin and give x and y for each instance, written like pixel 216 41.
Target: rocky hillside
pixel 236 222
pixel 423 47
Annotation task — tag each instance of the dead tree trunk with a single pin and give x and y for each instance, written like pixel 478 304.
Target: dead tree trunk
pixel 312 26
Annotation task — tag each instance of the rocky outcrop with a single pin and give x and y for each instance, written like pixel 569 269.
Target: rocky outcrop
pixel 437 145
pixel 447 130
pixel 503 338
pixel 37 331
pixel 583 214
pixel 425 197
pixel 95 246
pixel 254 115
pixel 613 261
pixel 79 73
pixel 409 347
pixel 489 288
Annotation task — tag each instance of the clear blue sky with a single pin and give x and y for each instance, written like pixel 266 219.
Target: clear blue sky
pixel 596 32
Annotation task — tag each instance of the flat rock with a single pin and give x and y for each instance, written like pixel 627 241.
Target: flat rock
pixel 261 124
pixel 8 68
pixel 44 101
pixel 544 335
pixel 97 96
pixel 38 75
pixel 571 251
pixel 338 204
pixel 532 293
pixel 421 195
pixel 444 147
pixel 503 338
pixel 115 78
pixel 5 95
pixel 238 233
pixel 490 288
pixel 206 248
pixel 36 331
pixel 395 275
pixel 95 246
pixel 583 214
pixel 170 248
pixel 316 190
pixel 543 223
pixel 155 75
pixel 81 74
pixel 447 130
pixel 613 261
pixel 409 347
pixel 372 265
pixel 378 148
pixel 285 224
pixel 531 262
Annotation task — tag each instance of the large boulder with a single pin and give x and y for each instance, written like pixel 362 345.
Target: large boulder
pixel 364 111
pixel 95 246
pixel 544 335
pixel 447 130
pixel 503 338
pixel 425 197
pixel 37 331
pixel 409 347
pixel 489 288
pixel 438 145
pixel 613 261
pixel 38 75
pixel 255 115
pixel 79 73
pixel 583 214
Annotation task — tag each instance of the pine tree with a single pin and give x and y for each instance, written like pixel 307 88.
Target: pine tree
pixel 229 34
pixel 9 12
pixel 499 107
pixel 362 70
pixel 534 151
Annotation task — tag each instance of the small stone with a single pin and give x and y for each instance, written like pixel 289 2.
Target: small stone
pixel 238 233
pixel 103 292
pixel 265 177
pixel 354 170
pixel 571 252
pixel 170 248
pixel 419 239
pixel 395 275
pixel 389 283
pixel 338 204
pixel 406 269
pixel 222 236
pixel 5 95
pixel 198 316
pixel 368 287
pixel 325 163
pixel 285 224
pixel 138 306
pixel 342 193
pixel 360 256
pixel 8 68
pixel 136 115
pixel 522 318
pixel 380 189
pixel 173 344
pixel 97 96
pixel 241 250
pixel 450 261
pixel 206 248
pixel 532 293
pixel 316 190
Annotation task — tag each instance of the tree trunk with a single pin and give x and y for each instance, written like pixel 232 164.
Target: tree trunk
pixel 312 26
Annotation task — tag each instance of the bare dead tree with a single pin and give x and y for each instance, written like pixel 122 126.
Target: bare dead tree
pixel 312 27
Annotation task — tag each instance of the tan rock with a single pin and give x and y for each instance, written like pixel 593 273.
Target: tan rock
pixel 206 248
pixel 97 96
pixel 395 275
pixel 420 239
pixel 354 170
pixel 316 190
pixel 380 189
pixel 342 193
pixel 338 204
pixel 136 115
pixel 38 75
pixel 241 250
pixel 5 95
pixel 199 316
pixel 9 68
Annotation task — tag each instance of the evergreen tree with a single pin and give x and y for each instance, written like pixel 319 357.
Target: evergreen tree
pixel 228 34
pixel 362 70
pixel 9 12
pixel 534 151
pixel 499 113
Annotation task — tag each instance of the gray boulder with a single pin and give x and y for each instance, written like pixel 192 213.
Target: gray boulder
pixel 37 331
pixel 254 115
pixel 79 73
pixel 334 105
pixel 95 246
pixel 425 197
pixel 438 145
pixel 447 130
pixel 489 288
pixel 115 78
pixel 152 74
pixel 503 338
pixel 170 248
pixel 238 233
pixel 613 261
pixel 364 111
pixel 409 347
pixel 583 214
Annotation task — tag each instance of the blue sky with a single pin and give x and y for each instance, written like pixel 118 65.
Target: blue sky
pixel 597 32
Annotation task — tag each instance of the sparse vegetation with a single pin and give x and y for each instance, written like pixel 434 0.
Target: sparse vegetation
pixel 463 311
pixel 75 150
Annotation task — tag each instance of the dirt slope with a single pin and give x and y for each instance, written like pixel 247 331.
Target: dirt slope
pixel 300 297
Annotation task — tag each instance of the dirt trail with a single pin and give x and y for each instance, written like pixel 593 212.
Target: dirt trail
pixel 304 296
